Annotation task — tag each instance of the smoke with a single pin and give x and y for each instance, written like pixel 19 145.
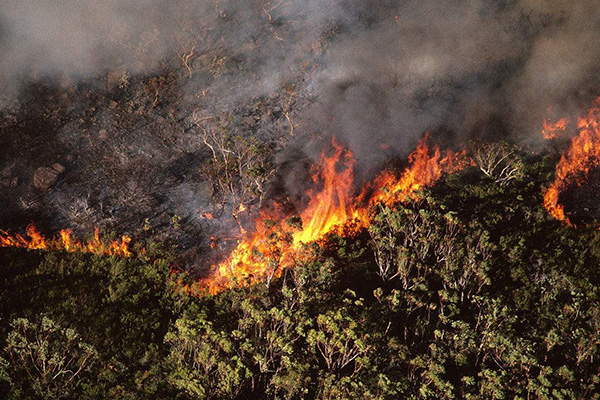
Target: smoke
pixel 417 70
pixel 561 68
pixel 70 39
pixel 375 74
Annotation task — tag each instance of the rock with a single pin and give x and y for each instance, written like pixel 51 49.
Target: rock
pixel 103 134
pixel 45 177
pixel 113 105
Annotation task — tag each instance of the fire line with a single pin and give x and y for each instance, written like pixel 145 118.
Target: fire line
pixel 333 207
pixel 576 163
pixel 34 240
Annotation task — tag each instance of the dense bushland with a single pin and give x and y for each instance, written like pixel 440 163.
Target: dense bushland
pixel 471 292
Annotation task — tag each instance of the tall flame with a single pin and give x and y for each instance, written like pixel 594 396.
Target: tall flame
pixel 332 207
pixel 64 241
pixel 574 166
pixel 275 240
pixel 329 208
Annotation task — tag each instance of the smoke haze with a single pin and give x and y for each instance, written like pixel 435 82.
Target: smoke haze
pixel 392 68
pixel 376 74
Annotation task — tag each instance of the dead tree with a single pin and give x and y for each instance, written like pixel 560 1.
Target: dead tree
pixel 499 161
pixel 239 167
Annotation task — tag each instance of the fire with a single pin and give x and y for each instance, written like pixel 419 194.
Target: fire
pixel 330 207
pixel 275 240
pixel 575 164
pixel 426 167
pixel 333 207
pixel 553 130
pixel 64 241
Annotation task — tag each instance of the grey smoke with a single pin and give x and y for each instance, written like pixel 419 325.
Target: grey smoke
pixel 393 70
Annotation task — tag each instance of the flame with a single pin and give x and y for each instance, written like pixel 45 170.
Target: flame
pixel 426 167
pixel 575 164
pixel 273 245
pixel 329 208
pixel 332 208
pixel 64 241
pixel 553 130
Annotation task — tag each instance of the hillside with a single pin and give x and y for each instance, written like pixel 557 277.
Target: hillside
pixel 299 199
pixel 483 296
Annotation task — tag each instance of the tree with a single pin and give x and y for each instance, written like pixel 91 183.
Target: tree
pixel 338 340
pixel 47 359
pixel 205 362
pixel 239 167
pixel 384 231
pixel 499 161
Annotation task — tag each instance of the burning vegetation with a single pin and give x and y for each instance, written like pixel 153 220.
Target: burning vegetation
pixel 576 163
pixel 553 130
pixel 34 240
pixel 334 207
pixel 295 244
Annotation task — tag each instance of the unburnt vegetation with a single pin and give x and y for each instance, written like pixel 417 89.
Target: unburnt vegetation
pixel 473 291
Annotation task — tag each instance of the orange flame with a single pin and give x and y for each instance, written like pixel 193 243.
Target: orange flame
pixel 329 208
pixel 332 208
pixel 207 216
pixel 574 166
pixel 64 241
pixel 426 167
pixel 553 130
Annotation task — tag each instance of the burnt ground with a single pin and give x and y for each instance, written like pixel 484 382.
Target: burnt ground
pixel 133 155
pixel 129 131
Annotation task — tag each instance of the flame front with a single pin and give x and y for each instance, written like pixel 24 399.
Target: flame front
pixel 332 207
pixel 552 130
pixel 64 241
pixel 574 166
pixel 329 208
pixel 426 167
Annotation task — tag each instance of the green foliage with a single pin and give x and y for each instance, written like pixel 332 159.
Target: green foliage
pixel 205 363
pixel 472 292
pixel 45 359
pixel 122 308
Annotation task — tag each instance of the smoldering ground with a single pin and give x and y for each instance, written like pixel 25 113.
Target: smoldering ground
pixel 376 74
